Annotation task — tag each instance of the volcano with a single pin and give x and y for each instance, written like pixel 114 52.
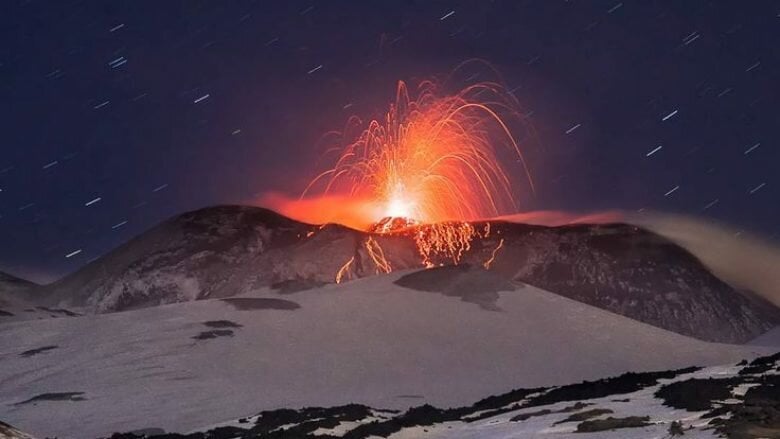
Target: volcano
pixel 227 251
pixel 254 320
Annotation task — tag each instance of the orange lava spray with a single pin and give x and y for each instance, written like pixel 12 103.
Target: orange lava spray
pixel 433 158
pixel 430 166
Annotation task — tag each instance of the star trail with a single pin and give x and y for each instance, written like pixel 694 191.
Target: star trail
pixel 117 116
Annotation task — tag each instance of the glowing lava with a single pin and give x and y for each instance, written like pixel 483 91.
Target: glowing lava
pixel 430 166
pixel 433 158
pixel 392 224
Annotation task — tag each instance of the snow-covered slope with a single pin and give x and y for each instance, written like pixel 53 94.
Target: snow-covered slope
pixel 369 341
pixel 734 401
pixel 771 338
pixel 231 250
pixel 21 300
pixel 13 291
pixel 18 301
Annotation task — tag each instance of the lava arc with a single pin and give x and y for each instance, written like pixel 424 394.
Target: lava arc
pixel 432 165
pixel 433 158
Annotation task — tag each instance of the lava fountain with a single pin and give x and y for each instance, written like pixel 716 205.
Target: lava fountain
pixel 432 159
pixel 428 169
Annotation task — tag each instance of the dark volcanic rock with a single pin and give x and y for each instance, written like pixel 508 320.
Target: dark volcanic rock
pixel 254 303
pixel 577 417
pixel 54 396
pixel 695 394
pixel 585 415
pixel 221 324
pixel 471 284
pixel 761 364
pixel 759 415
pixel 526 416
pixel 36 351
pixel 612 424
pixel 756 415
pixel 208 335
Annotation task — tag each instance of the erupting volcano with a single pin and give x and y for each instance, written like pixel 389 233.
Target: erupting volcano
pixel 432 159
pixel 433 164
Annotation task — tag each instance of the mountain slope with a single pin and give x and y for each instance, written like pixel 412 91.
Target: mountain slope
pixel 15 294
pixel 189 257
pixel 635 273
pixel 229 250
pixel 370 341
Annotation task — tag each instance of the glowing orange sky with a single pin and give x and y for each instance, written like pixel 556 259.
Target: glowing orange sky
pixel 434 157
pixel 341 209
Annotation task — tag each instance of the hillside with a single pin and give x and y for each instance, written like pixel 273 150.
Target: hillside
pixel 370 341
pixel 232 250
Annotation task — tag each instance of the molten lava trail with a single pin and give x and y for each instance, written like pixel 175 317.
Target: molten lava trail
pixel 431 166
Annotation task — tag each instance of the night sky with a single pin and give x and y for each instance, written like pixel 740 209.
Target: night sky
pixel 118 115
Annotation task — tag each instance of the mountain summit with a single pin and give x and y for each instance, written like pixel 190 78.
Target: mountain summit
pixel 231 250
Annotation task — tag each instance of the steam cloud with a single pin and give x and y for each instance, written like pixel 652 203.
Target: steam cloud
pixel 744 261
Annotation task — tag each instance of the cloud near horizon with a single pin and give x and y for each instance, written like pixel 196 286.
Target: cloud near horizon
pixel 743 260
